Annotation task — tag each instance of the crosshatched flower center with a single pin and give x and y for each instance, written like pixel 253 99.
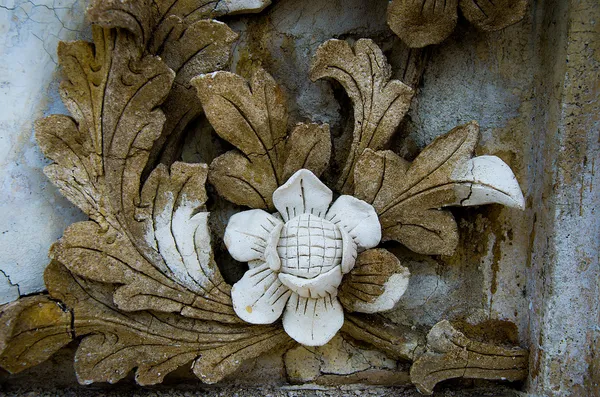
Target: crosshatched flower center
pixel 309 246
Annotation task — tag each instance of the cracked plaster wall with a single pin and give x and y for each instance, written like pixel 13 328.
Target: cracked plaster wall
pixel 32 212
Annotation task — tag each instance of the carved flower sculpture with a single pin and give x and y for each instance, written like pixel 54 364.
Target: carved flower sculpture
pixel 138 284
pixel 300 262
pixel 420 23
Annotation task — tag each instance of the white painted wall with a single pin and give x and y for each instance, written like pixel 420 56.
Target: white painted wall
pixel 32 212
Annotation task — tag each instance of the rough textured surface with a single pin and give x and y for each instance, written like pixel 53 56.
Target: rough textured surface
pixel 507 81
pixel 341 362
pixel 565 245
pixel 139 279
pixel 376 283
pixel 420 23
pixel 287 391
pixel 253 118
pixel 451 354
pixel 379 102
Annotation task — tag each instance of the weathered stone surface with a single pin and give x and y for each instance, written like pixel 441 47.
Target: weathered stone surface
pixel 147 245
pixel 156 344
pixel 480 79
pixel 450 355
pixel 33 328
pixel 396 341
pixel 155 23
pixel 423 22
pixel 308 147
pixel 183 35
pixel 489 16
pixel 339 361
pixel 564 270
pixel 32 211
pixel 408 197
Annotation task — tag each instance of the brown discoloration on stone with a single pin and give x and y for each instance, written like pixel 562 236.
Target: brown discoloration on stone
pixel 201 47
pixel 115 249
pixel 490 16
pixel 155 23
pixel 113 92
pixel 499 332
pixel 33 328
pixel 146 247
pixel 379 103
pixel 422 22
pixel 308 147
pixel 450 354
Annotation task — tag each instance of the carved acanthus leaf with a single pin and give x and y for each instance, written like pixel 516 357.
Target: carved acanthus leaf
pixel 409 197
pixel 155 344
pixel 189 50
pixel 397 341
pixel 450 354
pixel 114 93
pixel 375 284
pixel 253 117
pixel 33 328
pixel 75 145
pixel 182 33
pixel 308 147
pixel 496 15
pixel 152 21
pixel 379 103
pixel 110 257
pixel 422 22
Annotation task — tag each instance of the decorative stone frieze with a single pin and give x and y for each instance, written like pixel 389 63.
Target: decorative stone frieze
pixel 138 283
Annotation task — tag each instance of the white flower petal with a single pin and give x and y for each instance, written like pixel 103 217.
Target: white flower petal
pixel 317 287
pixel 259 297
pixel 492 181
pixel 313 322
pixel 302 193
pixel 358 218
pixel 250 233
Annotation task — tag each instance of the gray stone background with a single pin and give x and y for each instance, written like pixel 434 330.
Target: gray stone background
pixel 533 88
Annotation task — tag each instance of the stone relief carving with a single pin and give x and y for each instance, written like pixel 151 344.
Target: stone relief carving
pixel 450 354
pixel 138 283
pixel 420 23
pixel 298 265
